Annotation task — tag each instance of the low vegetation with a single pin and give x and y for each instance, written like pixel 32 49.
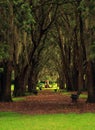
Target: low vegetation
pixel 14 121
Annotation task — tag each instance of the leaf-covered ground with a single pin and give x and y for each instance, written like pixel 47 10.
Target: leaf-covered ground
pixel 48 102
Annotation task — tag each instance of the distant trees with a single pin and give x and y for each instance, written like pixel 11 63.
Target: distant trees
pixel 76 41
pixel 44 14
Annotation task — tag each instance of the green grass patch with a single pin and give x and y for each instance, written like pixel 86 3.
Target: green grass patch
pixel 66 93
pixel 83 96
pixel 16 99
pixel 14 121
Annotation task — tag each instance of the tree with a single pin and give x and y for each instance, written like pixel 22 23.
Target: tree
pixel 6 38
pixel 44 14
pixel 22 45
pixel 15 27
pixel 49 59
pixel 90 39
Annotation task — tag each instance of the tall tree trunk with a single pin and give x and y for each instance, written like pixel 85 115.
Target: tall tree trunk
pixel 32 80
pixel 20 83
pixel 5 93
pixel 91 82
pixel 61 81
pixel 75 79
pixel 65 62
pixel 19 89
pixel 81 54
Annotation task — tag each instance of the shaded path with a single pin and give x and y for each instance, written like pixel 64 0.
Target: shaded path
pixel 48 102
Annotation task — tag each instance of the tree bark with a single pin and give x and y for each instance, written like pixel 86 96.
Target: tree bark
pixel 81 54
pixel 65 61
pixel 19 89
pixel 5 93
pixel 90 82
pixel 32 81
pixel 75 79
pixel 20 83
pixel 61 81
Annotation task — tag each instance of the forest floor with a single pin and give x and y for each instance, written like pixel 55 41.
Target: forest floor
pixel 48 102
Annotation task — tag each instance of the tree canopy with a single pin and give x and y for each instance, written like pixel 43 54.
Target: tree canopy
pixel 56 37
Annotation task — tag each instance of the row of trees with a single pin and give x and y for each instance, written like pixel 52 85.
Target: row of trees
pixel 57 35
pixel 24 28
pixel 75 30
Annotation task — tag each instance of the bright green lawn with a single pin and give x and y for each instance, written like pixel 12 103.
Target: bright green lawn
pixel 13 121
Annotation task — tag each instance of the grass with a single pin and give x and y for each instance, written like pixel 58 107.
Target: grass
pixel 14 121
pixel 83 96
pixel 18 99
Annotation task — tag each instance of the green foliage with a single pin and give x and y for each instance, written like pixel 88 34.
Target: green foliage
pixel 82 5
pixel 4 23
pixel 1 69
pixel 4 52
pixel 88 8
pixel 23 15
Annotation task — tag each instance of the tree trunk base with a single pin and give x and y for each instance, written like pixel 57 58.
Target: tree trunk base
pixel 18 93
pixel 91 100
pixel 5 99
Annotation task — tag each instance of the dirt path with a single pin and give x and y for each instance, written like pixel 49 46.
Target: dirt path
pixel 48 102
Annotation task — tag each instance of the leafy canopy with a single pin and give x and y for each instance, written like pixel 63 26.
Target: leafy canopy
pixel 23 15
